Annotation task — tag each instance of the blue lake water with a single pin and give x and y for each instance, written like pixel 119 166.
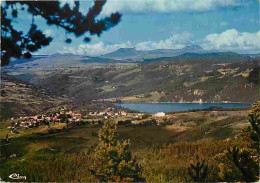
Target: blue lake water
pixel 169 107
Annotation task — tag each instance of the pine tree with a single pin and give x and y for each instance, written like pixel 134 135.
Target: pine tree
pixel 198 172
pixel 16 43
pixel 254 129
pixel 245 163
pixel 247 160
pixel 113 159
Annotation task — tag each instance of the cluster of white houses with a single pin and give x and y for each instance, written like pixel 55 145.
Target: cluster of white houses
pixel 31 121
pixel 108 113
pixel 62 116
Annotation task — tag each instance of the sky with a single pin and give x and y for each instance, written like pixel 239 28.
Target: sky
pixel 224 25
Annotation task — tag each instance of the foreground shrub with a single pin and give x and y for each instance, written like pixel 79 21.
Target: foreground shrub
pixel 198 172
pixel 246 161
pixel 113 159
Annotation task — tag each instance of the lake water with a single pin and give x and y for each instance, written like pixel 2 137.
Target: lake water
pixel 169 107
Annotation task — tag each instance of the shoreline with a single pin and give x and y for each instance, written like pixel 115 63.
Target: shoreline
pixel 168 107
pixel 182 103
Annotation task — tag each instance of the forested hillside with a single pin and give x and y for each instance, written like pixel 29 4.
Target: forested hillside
pixel 178 80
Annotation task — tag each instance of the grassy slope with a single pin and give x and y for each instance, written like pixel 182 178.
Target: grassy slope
pixel 178 80
pixel 24 99
pixel 35 149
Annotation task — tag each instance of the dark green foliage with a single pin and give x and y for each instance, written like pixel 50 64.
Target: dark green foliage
pixel 198 172
pixel 149 122
pixel 146 115
pixel 165 123
pixel 254 129
pixel 126 122
pixel 94 134
pixel 113 159
pixel 247 160
pixel 246 165
pixel 147 95
pixel 98 79
pixel 213 73
pixel 254 75
pixel 14 43
pixel 63 117
pixel 69 116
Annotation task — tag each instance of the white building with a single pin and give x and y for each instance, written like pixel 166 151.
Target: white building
pixel 160 114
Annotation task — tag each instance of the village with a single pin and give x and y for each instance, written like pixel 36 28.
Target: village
pixel 62 116
pixel 94 117
pixel 44 119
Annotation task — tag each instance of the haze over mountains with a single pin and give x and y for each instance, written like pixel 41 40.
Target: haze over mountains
pixel 190 74
pixel 166 75
pixel 127 55
pixel 132 54
pixel 60 60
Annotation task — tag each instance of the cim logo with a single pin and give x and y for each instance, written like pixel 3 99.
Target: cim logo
pixel 17 176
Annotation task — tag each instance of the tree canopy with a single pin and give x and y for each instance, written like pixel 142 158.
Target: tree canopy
pixel 16 43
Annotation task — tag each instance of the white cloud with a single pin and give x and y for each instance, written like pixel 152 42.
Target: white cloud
pixel 233 40
pixel 229 40
pixel 147 6
pixel 176 41
pixel 95 49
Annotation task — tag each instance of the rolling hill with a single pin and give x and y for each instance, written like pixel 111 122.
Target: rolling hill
pixel 181 80
pixel 58 60
pixel 182 75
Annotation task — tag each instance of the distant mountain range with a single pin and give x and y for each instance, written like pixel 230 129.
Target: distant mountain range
pixel 131 54
pixel 59 60
pixel 127 55
pixel 194 51
pixel 181 80
pixel 24 60
pixel 188 74
pixel 216 56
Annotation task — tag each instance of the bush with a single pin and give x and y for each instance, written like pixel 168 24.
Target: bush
pixel 165 123
pixel 126 122
pixel 113 160
pixel 146 123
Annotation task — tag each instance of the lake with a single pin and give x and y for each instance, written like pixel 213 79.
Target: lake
pixel 169 107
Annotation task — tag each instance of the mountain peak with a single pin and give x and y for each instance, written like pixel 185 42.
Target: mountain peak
pixel 192 48
pixel 125 50
pixel 121 52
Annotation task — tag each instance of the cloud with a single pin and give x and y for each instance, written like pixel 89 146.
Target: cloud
pixel 229 40
pixel 175 41
pixel 165 6
pixel 232 40
pixel 95 49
